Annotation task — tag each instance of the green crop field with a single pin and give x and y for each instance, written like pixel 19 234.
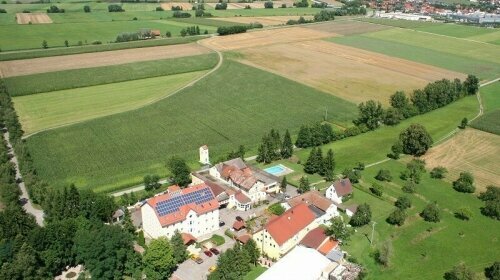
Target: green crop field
pixel 233 106
pixel 52 109
pixel 490 96
pixel 490 121
pixel 435 247
pixel 75 78
pixel 373 146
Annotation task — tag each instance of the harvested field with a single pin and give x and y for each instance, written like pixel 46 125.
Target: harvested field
pixel 263 38
pixel 471 150
pixel 347 27
pixel 254 5
pixel 352 74
pixel 59 63
pixel 34 18
pixel 266 21
pixel 168 6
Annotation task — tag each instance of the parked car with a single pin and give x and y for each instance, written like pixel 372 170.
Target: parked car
pixel 208 253
pixel 238 218
pixel 212 268
pixel 198 260
pixel 221 223
pixel 215 251
pixel 194 257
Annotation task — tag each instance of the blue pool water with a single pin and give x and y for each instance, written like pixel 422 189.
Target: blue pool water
pixel 275 170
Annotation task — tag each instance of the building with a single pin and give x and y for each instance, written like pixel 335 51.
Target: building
pixel 252 185
pixel 338 190
pixel 282 233
pixel 318 240
pixel 301 263
pixel 323 208
pixel 403 16
pixel 204 157
pixel 192 210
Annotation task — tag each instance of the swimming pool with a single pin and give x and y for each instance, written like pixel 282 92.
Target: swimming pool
pixel 278 170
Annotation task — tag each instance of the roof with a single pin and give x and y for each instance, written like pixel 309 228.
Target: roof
pixel 244 238
pixel 314 238
pixel 290 223
pixel 242 198
pixel 173 188
pixel 237 225
pixel 335 255
pixel 342 187
pixel 118 213
pixel 328 246
pixel 243 175
pixel 204 147
pixel 353 208
pixel 300 263
pixel 312 197
pixel 173 207
pixel 187 238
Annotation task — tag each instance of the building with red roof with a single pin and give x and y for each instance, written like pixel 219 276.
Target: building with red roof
pixel 339 189
pixel 282 233
pixel 193 210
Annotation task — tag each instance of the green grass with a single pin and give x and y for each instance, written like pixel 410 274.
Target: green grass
pixel 95 48
pixel 217 239
pixel 52 109
pixel 255 272
pixel 373 146
pixel 438 249
pixel 490 121
pixel 235 105
pixel 490 96
pixel 204 21
pixel 19 37
pixel 67 79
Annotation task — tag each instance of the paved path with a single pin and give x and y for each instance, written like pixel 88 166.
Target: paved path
pixel 24 193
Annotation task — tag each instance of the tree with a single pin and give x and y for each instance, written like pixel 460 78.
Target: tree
pixel 329 165
pixel 464 183
pixel 287 146
pixel 399 100
pixel 383 255
pixel 158 260
pixel 253 252
pixel 151 182
pixel 464 213
pixel 127 224
pixel 45 45
pixel 471 85
pixel 66 43
pixel 460 272
pixel 362 216
pixel 438 172
pixel 339 230
pixel 463 123
pixel 304 138
pixel 493 272
pixel 409 187
pixel 431 213
pixel 276 209
pixel 268 4
pixel 415 140
pixel 396 150
pixel 179 250
pixel 403 202
pixel 181 174
pixel 377 189
pixel 414 170
pixel 491 198
pixel 397 217
pixel 183 32
pixel 86 9
pixel 311 165
pixel 392 116
pixel 168 34
pixel 304 185
pixel 263 153
pixel 384 175
pixel 370 114
pixel 353 174
pixel 283 185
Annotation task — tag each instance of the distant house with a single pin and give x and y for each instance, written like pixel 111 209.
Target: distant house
pixel 323 208
pixel 193 210
pixel 338 190
pixel 155 32
pixel 118 216
pixel 282 233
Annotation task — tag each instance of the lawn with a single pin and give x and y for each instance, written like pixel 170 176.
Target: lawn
pixel 435 247
pixel 52 109
pixel 255 272
pixel 75 78
pixel 217 239
pixel 234 106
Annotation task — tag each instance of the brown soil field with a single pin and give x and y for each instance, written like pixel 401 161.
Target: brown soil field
pixel 58 63
pixel 263 38
pixel 347 27
pixel 266 21
pixel 254 5
pixel 168 6
pixel 349 73
pixel 470 150
pixel 34 18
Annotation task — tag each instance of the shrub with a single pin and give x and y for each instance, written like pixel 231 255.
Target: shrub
pixel 438 172
pixel 376 189
pixel 86 9
pixel 26 12
pixel 301 4
pixel 276 209
pixel 465 183
pixel 384 175
pixel 54 9
pixel 221 6
pixel 324 15
pixel 431 213
pixel 176 8
pixel 464 213
pixel 247 7
pixel 321 5
pixel 463 123
pixel 269 5
pixel 45 45
pixel 159 9
pixel 178 14
pixel 403 202
pixel 397 217
pixel 283 5
pixel 409 187
pixel 383 255
pixel 168 34
pixel 3 11
pixel 229 234
pixel 97 42
pixel 113 8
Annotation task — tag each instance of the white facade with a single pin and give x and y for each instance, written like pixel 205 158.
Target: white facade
pixel 332 195
pixel 415 17
pixel 204 157
pixel 330 213
pixel 196 225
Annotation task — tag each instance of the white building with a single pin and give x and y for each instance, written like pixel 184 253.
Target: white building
pixel 192 210
pixel 399 15
pixel 204 157
pixel 339 190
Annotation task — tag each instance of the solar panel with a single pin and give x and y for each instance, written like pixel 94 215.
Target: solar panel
pixel 173 204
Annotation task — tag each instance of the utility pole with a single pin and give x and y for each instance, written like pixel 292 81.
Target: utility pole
pixel 373 230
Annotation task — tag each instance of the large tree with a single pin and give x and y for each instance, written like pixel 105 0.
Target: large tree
pixel 287 146
pixel 253 252
pixel 370 114
pixel 431 213
pixel 339 230
pixel 362 216
pixel 159 261
pixel 311 165
pixel 304 185
pixel 329 165
pixel 181 174
pixel 471 84
pixel 178 248
pixel 397 217
pixel 304 138
pixel 415 140
pixel 464 183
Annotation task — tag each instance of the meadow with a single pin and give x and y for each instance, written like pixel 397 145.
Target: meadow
pixel 75 78
pixel 422 250
pixel 224 110
pixel 490 121
pixel 53 109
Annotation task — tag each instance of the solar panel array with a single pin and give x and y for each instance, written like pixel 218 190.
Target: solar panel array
pixel 173 204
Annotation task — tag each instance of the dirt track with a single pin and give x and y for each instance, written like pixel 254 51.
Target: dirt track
pixel 266 21
pixel 58 63
pixel 168 6
pixel 353 74
pixel 34 18
pixel 471 150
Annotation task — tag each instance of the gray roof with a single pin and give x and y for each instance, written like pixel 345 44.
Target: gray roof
pixel 318 212
pixel 335 255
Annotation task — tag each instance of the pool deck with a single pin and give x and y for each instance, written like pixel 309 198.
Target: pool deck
pixel 284 170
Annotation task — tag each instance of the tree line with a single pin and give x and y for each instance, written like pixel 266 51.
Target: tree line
pixel 235 29
pixel 273 148
pixel 236 262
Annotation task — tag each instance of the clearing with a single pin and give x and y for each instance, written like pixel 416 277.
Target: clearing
pixel 266 21
pixel 349 73
pixel 50 64
pixel 263 38
pixel 33 18
pixel 470 150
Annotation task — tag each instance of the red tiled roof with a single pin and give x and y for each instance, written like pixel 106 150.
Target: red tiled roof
pixel 329 245
pixel 173 188
pixel 187 238
pixel 290 223
pixel 237 225
pixel 343 187
pixel 242 198
pixel 314 238
pixel 181 214
pixel 312 198
pixel 244 238
pixel 216 188
pixel 244 177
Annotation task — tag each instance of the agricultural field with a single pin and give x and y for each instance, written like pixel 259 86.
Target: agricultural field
pixel 490 121
pixel 33 18
pixel 87 60
pixel 349 73
pixel 435 246
pixel 347 27
pixel 115 151
pixel 266 21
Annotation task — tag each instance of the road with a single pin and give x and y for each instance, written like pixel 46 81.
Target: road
pixel 38 214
